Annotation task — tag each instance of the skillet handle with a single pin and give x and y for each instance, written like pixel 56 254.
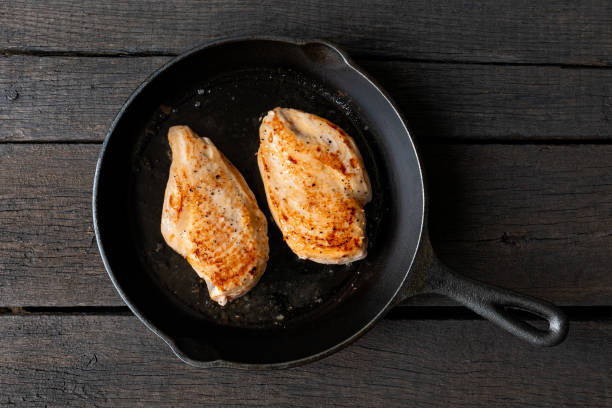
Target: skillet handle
pixel 497 305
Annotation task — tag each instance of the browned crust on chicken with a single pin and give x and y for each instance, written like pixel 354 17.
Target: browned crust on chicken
pixel 316 185
pixel 211 217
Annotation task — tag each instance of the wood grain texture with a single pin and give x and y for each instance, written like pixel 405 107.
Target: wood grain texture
pixel 534 218
pixel 523 215
pixel 116 361
pixel 499 103
pixel 67 99
pixel 48 253
pixel 76 98
pixel 520 31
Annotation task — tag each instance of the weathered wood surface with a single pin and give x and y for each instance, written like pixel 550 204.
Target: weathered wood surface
pixel 533 217
pixel 525 216
pixel 48 253
pixel 66 99
pixel 115 361
pixel 521 31
pixel 529 217
pixel 76 98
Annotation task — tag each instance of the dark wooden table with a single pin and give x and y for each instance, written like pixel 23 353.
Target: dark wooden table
pixel 511 104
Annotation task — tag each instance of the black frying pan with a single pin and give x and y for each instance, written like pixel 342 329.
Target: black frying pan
pixel 300 310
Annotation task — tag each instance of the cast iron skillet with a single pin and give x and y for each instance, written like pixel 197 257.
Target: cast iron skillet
pixel 300 311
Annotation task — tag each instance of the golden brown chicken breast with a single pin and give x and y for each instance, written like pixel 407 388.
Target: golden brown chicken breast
pixel 316 185
pixel 210 216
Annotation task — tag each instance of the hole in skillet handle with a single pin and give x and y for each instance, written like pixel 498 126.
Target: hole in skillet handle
pixel 535 320
pixel 509 310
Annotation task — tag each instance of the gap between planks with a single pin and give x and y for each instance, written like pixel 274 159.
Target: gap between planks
pixel 574 313
pixel 27 52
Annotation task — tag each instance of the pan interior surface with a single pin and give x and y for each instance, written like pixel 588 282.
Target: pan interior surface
pixel 227 108
pixel 299 308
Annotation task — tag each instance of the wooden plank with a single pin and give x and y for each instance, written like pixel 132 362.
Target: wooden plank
pixel 519 31
pixel 499 103
pixel 526 217
pixel 48 253
pixel 66 98
pixel 62 98
pixel 534 218
pixel 116 361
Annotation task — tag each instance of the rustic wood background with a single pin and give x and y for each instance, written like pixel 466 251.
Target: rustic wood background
pixel 511 104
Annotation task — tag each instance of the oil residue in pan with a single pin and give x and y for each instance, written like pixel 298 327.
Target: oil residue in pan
pixel 228 110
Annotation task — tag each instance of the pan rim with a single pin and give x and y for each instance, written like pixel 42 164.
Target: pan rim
pixel 346 60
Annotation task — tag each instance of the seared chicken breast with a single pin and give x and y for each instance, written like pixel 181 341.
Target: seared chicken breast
pixel 316 185
pixel 211 218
